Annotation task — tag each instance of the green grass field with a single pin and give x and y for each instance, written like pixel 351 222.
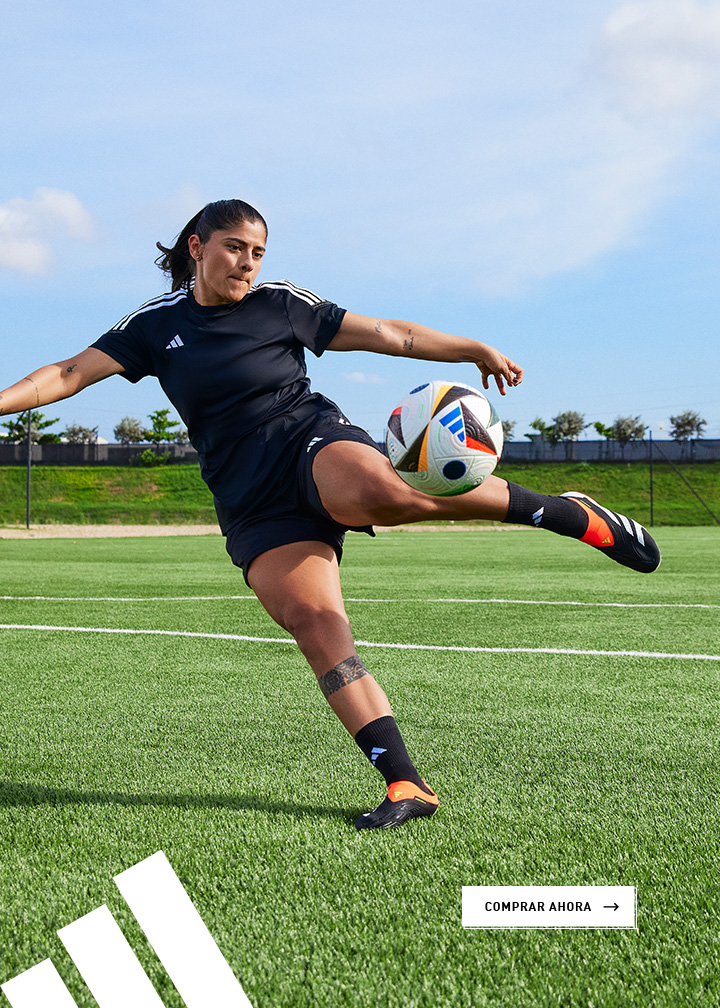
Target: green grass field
pixel 553 769
pixel 176 494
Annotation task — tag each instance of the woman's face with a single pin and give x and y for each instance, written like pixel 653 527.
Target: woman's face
pixel 227 263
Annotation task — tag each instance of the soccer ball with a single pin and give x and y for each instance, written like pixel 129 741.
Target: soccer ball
pixel 444 438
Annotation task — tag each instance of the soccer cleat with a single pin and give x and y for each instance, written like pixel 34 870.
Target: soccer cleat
pixel 404 801
pixel 620 538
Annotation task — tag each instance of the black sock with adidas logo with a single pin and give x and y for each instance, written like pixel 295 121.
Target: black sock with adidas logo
pixel 557 514
pixel 383 745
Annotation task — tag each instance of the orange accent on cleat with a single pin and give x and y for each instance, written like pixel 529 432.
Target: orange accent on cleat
pixel 404 801
pixel 404 790
pixel 624 541
pixel 598 531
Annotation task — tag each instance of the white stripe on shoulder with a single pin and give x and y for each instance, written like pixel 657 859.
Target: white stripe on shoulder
pixel 164 300
pixel 298 292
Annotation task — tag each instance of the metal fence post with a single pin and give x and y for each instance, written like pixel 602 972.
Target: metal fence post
pixel 29 463
pixel 652 513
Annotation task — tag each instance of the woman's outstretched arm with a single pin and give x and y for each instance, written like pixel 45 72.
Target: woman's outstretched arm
pixel 58 381
pixel 408 339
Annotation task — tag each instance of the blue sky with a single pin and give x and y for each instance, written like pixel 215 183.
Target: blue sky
pixel 539 176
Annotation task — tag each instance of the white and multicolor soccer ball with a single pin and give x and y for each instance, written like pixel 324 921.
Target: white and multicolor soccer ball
pixel 444 438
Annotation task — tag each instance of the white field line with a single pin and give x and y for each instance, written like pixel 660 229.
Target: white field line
pixel 369 644
pixel 454 601
pixel 111 598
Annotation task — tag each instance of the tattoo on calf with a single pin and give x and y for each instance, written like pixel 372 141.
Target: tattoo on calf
pixel 346 672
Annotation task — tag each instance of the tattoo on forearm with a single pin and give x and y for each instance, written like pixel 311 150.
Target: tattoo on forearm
pixel 408 344
pixel 71 368
pixel 346 672
pixel 37 390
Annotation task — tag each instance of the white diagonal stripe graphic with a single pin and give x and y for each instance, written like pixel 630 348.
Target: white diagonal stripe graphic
pixel 39 987
pixel 181 940
pixel 106 962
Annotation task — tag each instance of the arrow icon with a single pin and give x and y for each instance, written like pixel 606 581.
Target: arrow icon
pixel 611 906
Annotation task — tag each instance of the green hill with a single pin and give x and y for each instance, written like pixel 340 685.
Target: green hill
pixel 176 494
pixel 625 487
pixel 88 495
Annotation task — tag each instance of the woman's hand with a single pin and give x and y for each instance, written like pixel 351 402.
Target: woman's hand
pixel 501 368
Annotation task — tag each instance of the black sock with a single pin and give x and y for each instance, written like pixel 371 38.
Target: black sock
pixel 382 743
pixel 557 514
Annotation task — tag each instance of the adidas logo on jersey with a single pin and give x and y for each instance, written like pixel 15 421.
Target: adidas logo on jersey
pixel 174 344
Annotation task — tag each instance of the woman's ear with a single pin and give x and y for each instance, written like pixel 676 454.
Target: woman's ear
pixel 195 247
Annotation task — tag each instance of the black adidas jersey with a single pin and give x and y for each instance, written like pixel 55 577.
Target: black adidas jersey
pixel 235 373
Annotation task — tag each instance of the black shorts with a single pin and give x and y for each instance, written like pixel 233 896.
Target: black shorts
pixel 296 513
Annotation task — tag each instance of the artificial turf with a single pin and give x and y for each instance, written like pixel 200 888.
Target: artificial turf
pixel 553 769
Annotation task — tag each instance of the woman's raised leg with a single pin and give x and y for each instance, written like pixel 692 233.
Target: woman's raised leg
pixel 358 486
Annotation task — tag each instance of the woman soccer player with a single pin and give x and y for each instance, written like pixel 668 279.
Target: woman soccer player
pixel 288 472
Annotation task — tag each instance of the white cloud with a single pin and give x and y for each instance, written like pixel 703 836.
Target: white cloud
pixel 663 56
pixel 558 157
pixel 362 378
pixel 30 228
pixel 572 206
pixel 495 147
pixel 577 173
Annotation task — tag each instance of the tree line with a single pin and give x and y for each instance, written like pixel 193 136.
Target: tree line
pixel 565 426
pixel 130 430
pixel 569 425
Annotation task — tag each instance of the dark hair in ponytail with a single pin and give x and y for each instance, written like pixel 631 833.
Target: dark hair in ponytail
pixel 177 262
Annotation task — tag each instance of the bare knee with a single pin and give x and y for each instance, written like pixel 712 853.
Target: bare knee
pixel 304 619
pixel 322 633
pixel 299 587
